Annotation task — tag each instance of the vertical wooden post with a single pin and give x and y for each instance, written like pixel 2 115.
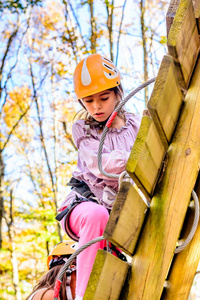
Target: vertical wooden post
pixel 161 230
pixel 185 263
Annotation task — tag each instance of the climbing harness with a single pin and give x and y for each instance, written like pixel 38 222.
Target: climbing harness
pixel 69 272
pixel 82 189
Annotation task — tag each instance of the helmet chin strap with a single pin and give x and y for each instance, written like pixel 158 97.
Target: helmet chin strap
pixel 97 123
pixel 102 124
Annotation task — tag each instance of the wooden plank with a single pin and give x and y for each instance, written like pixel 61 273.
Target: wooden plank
pixel 161 230
pixel 185 263
pixel 126 218
pixel 166 100
pixel 173 6
pixel 107 277
pixel 183 39
pixel 196 5
pixel 145 161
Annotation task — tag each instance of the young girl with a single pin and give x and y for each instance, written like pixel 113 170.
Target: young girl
pixel 97 86
pixel 44 290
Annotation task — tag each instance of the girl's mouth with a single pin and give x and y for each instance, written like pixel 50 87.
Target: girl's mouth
pixel 99 115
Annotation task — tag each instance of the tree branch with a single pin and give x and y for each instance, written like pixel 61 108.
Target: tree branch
pixel 77 22
pixel 110 8
pixel 12 130
pixel 68 136
pixel 120 27
pixel 145 55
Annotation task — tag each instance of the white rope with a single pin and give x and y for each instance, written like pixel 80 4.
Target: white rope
pixel 122 176
pixel 194 225
pixel 105 130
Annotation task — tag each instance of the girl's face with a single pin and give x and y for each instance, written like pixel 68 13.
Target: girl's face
pixel 100 105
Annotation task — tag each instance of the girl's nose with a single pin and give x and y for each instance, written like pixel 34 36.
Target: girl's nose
pixel 97 105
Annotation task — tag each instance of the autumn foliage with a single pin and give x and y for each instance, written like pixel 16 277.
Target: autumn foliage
pixel 40 45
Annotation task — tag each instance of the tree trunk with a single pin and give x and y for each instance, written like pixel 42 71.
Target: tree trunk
pixel 11 234
pixel 44 147
pixel 93 27
pixel 144 45
pixel 1 195
pixel 110 8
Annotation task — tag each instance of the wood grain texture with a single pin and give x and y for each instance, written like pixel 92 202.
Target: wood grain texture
pixel 196 4
pixel 107 277
pixel 166 100
pixel 169 204
pixel 186 262
pixel 145 161
pixel 173 6
pixel 183 39
pixel 126 218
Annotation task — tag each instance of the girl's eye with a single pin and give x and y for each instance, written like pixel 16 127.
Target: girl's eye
pixel 104 99
pixel 88 101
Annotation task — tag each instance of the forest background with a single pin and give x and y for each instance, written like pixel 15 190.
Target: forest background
pixel 41 43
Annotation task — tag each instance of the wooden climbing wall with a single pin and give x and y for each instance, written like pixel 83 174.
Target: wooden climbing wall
pixel 164 163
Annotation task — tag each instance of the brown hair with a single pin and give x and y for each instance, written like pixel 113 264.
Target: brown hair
pixel 83 114
pixel 48 281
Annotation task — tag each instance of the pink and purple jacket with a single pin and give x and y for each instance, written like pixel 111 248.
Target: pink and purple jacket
pixel 116 150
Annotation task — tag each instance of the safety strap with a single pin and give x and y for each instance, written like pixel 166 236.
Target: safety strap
pixel 80 187
pixel 111 248
pixel 76 201
pixel 87 129
pixel 68 289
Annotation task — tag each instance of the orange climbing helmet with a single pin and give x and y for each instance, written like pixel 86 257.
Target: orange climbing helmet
pixel 94 74
pixel 65 248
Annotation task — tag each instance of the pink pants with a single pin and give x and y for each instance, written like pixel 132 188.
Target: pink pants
pixel 88 221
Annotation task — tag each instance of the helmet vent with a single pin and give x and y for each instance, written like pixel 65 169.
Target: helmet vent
pixel 107 60
pixel 85 75
pixel 108 66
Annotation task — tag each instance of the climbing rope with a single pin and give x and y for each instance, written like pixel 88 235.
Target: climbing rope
pixel 122 176
pixel 194 225
pixel 109 122
pixel 69 261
